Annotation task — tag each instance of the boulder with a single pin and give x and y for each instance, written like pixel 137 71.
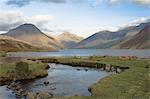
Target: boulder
pixel 118 70
pixel 108 67
pixel 46 82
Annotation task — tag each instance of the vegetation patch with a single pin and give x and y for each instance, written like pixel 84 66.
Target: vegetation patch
pixel 21 71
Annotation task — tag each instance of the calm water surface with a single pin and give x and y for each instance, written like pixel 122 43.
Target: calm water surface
pixel 64 81
pixel 84 52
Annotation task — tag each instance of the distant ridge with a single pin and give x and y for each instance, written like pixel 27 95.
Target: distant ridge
pixel 139 41
pixel 108 39
pixel 68 40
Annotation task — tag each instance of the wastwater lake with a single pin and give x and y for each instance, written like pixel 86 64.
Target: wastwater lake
pixel 84 52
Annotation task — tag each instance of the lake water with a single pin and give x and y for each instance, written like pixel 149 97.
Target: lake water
pixel 84 52
pixel 64 81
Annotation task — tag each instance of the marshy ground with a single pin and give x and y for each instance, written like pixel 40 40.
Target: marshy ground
pixel 131 82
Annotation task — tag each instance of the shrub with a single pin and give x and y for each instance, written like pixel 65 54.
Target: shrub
pixel 22 67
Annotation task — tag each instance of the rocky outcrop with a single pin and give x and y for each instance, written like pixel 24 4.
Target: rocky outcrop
pixel 17 89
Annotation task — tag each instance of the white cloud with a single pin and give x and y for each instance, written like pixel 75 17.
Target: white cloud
pixel 138 21
pixel 11 19
pixel 40 20
pixel 141 2
pixel 113 1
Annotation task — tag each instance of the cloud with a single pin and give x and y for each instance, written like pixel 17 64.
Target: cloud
pixel 139 2
pixel 18 3
pixel 11 19
pixel 138 21
pixel 113 1
pixel 40 20
pixel 21 3
pixel 54 1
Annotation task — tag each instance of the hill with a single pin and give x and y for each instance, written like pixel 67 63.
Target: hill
pixel 68 40
pixel 139 41
pixel 11 44
pixel 30 33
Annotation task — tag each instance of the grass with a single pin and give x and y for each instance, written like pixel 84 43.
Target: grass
pixel 133 83
pixel 7 71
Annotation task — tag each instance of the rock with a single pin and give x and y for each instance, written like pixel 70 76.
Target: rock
pixel 118 70
pixel 112 69
pixel 18 87
pixel 46 66
pixel 46 82
pixel 78 69
pixel 86 69
pixel 108 67
pixel 8 87
pixel 41 95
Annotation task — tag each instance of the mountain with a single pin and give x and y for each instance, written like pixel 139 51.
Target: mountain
pixel 139 41
pixel 107 39
pixel 30 33
pixel 11 44
pixel 68 40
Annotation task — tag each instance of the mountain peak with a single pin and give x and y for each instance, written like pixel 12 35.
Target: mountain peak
pixel 25 29
pixel 68 40
pixel 28 27
pixel 68 35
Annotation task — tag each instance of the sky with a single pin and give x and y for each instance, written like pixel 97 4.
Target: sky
pixel 81 17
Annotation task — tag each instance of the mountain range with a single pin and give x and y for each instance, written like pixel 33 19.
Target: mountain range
pixel 108 39
pixel 29 33
pixel 29 37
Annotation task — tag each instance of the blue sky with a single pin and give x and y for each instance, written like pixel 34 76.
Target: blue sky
pixel 82 17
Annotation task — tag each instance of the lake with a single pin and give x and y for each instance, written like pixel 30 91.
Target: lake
pixel 84 52
pixel 64 81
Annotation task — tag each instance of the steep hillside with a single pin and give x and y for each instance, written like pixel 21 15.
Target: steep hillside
pixel 107 39
pixel 11 44
pixel 139 41
pixel 68 40
pixel 30 33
